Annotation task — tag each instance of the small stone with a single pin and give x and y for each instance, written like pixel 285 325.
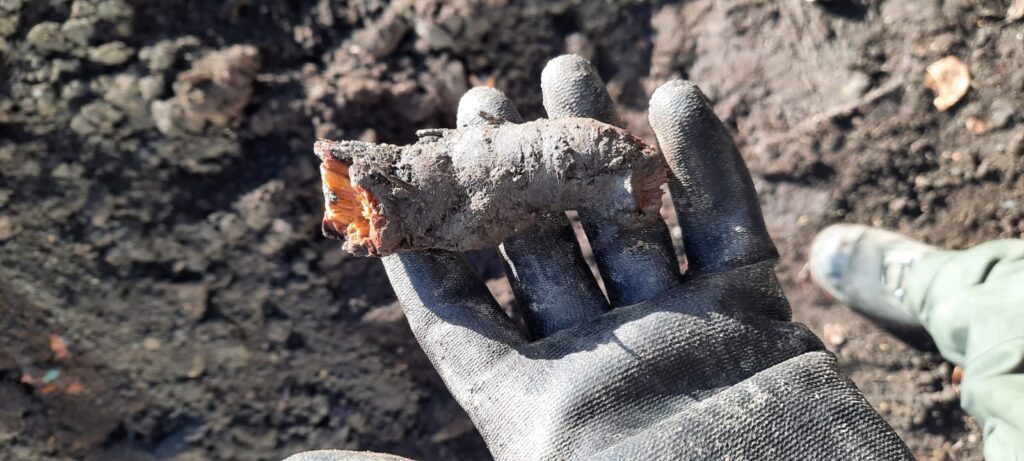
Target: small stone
pixel 59 68
pixel 78 31
pixel 151 87
pixel 124 93
pixel 1001 115
pixel 97 117
pixel 976 125
pixel 833 334
pixel 27 169
pixel 857 84
pixel 172 120
pixel 898 204
pixel 112 10
pixel 45 99
pixel 11 5
pixel 83 9
pixel 8 25
pixel 111 54
pixel 151 344
pixel 159 57
pixel 46 37
pixel 67 171
pixel 7 228
pixel 431 36
pixel 73 90
pixel 194 299
pixel 218 86
pixel 198 367
pixel 281 333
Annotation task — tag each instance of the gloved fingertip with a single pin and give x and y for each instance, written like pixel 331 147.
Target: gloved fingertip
pixel 563 66
pixel 572 88
pixel 712 190
pixel 482 105
pixel 673 106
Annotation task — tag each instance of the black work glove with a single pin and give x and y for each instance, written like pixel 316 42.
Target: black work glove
pixel 705 365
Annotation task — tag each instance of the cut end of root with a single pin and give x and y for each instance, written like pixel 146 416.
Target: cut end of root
pixel 647 185
pixel 350 212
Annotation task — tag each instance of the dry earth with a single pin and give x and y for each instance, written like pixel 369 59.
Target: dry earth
pixel 159 201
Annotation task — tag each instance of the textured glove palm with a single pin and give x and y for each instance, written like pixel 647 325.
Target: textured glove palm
pixel 703 365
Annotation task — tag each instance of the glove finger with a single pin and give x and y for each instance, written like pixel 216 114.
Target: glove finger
pixel 545 267
pixel 637 262
pixel 457 322
pixel 712 191
pixel 550 277
pixel 483 105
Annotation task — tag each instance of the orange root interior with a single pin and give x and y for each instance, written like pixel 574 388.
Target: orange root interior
pixel 350 210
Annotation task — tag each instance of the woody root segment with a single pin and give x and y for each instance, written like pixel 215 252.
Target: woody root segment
pixel 470 188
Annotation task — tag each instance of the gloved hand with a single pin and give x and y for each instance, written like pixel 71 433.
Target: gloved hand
pixel 704 365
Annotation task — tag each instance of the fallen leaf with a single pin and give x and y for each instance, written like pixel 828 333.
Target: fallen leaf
pixel 950 79
pixel 1016 11
pixel 976 125
pixel 59 347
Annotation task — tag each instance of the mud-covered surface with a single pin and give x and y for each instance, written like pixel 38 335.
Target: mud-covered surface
pixel 164 289
pixel 471 188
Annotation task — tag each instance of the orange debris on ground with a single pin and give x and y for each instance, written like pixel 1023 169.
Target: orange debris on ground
pixel 976 125
pixel 59 347
pixel 74 388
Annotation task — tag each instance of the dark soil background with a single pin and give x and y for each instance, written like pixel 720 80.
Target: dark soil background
pixel 165 293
